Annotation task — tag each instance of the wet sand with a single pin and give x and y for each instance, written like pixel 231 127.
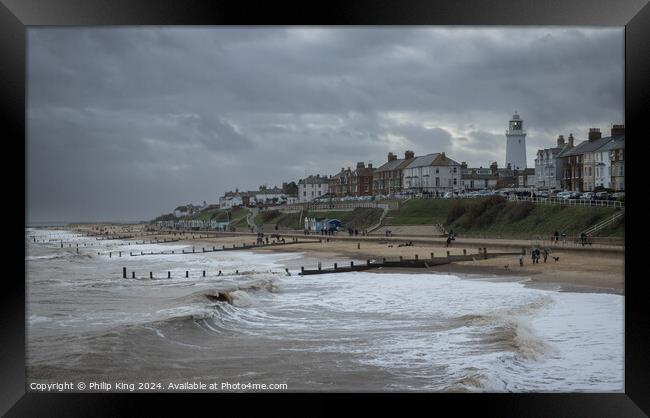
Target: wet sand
pixel 585 271
pixel 578 272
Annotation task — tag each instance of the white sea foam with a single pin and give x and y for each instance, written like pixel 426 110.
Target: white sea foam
pixel 431 331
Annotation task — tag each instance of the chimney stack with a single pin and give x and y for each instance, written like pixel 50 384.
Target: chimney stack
pixel 618 130
pixel 594 134
pixel 409 154
pixel 560 141
pixel 571 140
pixel 494 167
pixel 360 164
pixel 391 156
pixel 443 155
pixel 369 165
pixel 463 165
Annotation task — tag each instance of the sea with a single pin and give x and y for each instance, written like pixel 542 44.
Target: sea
pixel 256 325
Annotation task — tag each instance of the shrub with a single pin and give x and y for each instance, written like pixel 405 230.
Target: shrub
pixel 482 213
pixel 269 214
pixel 456 210
pixel 363 217
pixel 518 211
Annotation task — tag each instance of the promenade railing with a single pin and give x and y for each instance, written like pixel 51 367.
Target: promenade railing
pixel 568 202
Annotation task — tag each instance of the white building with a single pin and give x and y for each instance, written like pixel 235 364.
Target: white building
pixel 610 164
pixel 516 144
pixel 268 196
pixel 549 168
pixel 230 200
pixel 312 187
pixel 432 173
pixel 477 178
pixel 186 210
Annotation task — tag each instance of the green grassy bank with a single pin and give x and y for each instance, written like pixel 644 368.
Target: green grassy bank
pixel 359 218
pixel 495 216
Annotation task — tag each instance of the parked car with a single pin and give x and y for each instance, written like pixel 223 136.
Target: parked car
pixel 563 195
pixel 588 196
pixel 601 196
pixel 618 195
pixel 448 195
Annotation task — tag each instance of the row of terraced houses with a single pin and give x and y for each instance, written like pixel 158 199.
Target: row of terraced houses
pixel 428 173
pixel 434 173
pixel 595 163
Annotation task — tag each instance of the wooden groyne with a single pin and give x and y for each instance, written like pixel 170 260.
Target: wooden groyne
pixel 416 262
pixel 223 248
pixel 368 265
pixel 193 274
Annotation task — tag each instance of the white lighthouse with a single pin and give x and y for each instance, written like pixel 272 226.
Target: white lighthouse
pixel 516 144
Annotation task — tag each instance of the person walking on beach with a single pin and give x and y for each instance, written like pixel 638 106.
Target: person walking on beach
pixel 521 260
pixel 545 253
pixel 590 239
pixel 564 237
pixel 450 238
pixel 583 239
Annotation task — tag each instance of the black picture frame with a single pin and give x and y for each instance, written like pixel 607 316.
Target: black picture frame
pixel 16 15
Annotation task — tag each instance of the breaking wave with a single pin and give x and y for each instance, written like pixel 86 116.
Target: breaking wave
pixel 507 331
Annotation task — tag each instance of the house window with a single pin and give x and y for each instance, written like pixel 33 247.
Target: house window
pixel 437 171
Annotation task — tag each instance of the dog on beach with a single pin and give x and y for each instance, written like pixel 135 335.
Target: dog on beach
pixel 556 259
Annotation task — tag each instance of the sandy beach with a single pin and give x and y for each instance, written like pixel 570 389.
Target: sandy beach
pixel 585 271
pixel 572 272
pixel 478 319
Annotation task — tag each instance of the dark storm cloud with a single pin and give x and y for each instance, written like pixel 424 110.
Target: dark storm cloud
pixel 125 123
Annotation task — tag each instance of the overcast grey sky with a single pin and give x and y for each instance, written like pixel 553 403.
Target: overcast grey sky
pixel 128 123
